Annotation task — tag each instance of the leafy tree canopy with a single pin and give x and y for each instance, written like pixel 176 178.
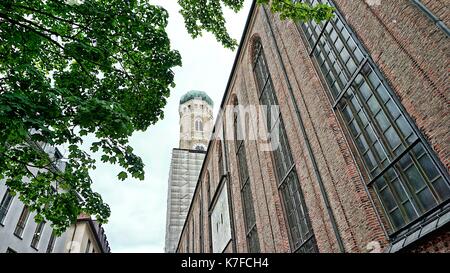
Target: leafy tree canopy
pixel 69 68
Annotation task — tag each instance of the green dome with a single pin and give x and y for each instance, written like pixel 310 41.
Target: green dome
pixel 196 94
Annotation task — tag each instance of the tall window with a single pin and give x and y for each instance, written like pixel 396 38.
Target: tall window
pixel 4 205
pixel 51 243
pixel 208 189
pixel 220 157
pixel 300 231
pixel 22 221
pixel 198 125
pixel 37 235
pixel 246 191
pixel 401 169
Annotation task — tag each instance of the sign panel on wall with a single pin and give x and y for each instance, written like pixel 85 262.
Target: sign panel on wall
pixel 220 222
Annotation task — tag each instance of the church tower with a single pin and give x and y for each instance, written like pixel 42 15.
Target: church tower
pixel 196 122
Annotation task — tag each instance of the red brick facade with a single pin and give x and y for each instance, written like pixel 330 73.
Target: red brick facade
pixel 412 55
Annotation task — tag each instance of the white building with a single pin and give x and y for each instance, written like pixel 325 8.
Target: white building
pixel 20 233
pixel 196 122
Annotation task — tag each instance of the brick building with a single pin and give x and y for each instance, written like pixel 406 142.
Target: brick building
pixel 362 153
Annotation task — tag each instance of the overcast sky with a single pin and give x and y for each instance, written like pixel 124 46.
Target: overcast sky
pixel 138 208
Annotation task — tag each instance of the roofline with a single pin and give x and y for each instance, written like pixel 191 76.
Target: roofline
pixel 203 96
pixel 94 231
pixel 225 95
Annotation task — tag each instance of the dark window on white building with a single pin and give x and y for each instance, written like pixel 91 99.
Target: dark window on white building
pixel 51 243
pixel 5 204
pixel 22 222
pixel 37 235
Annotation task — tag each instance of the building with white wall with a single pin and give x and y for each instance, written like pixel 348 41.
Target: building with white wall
pixel 20 233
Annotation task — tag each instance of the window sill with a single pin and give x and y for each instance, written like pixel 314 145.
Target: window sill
pixel 18 236
pixel 422 228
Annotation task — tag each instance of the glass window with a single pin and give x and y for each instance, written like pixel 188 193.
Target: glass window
pixel 51 243
pixel 37 235
pixel 220 159
pixel 4 205
pixel 246 191
pixel 406 179
pixel 208 189
pixel 300 231
pixel 198 125
pixel 22 222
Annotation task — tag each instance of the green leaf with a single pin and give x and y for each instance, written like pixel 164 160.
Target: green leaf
pixel 122 175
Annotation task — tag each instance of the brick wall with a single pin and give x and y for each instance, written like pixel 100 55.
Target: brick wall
pixel 412 53
pixel 396 35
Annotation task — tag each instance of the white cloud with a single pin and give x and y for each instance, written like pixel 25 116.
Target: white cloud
pixel 137 222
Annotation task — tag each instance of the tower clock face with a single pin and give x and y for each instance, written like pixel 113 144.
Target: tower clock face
pixel 199 147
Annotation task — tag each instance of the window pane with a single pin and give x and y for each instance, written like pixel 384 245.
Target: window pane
pixel 370 160
pixel 404 127
pixel 382 121
pixel 392 109
pixel 362 144
pixel 414 178
pixel 351 65
pixel 388 199
pixel 392 138
pixel 442 188
pixel 397 218
pixel 427 199
pixel 365 91
pixel 382 92
pixel 399 190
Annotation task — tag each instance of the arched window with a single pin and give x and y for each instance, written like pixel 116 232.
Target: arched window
pixel 300 232
pixel 246 191
pixel 199 125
